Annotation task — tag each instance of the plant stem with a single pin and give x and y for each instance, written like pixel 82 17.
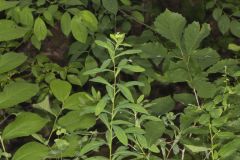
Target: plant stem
pixel 113 109
pixel 212 143
pixel 3 146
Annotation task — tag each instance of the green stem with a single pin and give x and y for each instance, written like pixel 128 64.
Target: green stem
pixel 3 146
pixel 113 109
pixel 212 143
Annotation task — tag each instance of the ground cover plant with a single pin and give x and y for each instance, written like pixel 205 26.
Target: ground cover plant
pixel 119 80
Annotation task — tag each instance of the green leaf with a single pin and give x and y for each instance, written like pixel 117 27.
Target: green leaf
pixel 217 12
pixel 79 31
pixel 126 92
pixel 45 105
pixel 77 101
pixel 26 17
pixel 235 28
pixel 128 52
pixel 162 105
pixel 121 135
pixel 205 57
pixel 4 5
pixel 40 29
pixel 101 80
pixel 66 23
pixel 234 47
pixel 185 98
pixel 73 120
pixel 101 105
pixel 193 35
pixel 111 6
pixel 224 24
pixel 89 20
pixel 154 130
pixel 16 93
pixel 90 63
pixel 60 89
pixel 9 30
pixel 133 68
pixel 170 25
pixel 10 61
pixel 74 79
pixel 152 50
pixel 204 89
pixel 91 146
pixel 196 149
pixel 230 148
pixel 25 124
pixel 30 151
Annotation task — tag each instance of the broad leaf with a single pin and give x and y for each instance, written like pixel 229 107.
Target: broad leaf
pixel 16 93
pixel 193 36
pixel 154 130
pixel 66 23
pixel 60 89
pixel 89 20
pixel 9 30
pixel 196 149
pixel 162 105
pixel 40 29
pixel 230 148
pixel 170 25
pixel 73 120
pixel 25 124
pixel 79 31
pixel 111 5
pixel 30 151
pixel 235 28
pixel 4 5
pixel 121 135
pixel 126 92
pixel 93 145
pixel 224 24
pixel 10 61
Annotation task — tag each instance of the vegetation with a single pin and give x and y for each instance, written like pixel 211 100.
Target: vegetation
pixel 119 80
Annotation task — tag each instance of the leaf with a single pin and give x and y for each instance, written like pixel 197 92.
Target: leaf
pixel 128 52
pixel 77 101
pixel 235 28
pixel 73 120
pixel 170 25
pixel 89 20
pixel 16 93
pixel 25 124
pixel 66 23
pixel 230 148
pixel 9 30
pixel 193 35
pixel 40 29
pixel 45 105
pixel 185 98
pixel 196 149
pixel 10 61
pixel 162 105
pixel 152 50
pixel 111 5
pixel 217 12
pixel 121 135
pixel 30 151
pixel 99 79
pixel 79 31
pixel 138 16
pixel 126 92
pixel 101 105
pixel 60 89
pixel 91 146
pixel 204 89
pixel 205 57
pixel 133 68
pixel 234 47
pixel 154 130
pixel 26 17
pixel 4 5
pixel 224 24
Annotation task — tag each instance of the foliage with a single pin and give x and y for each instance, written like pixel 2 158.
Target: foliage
pixel 137 80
